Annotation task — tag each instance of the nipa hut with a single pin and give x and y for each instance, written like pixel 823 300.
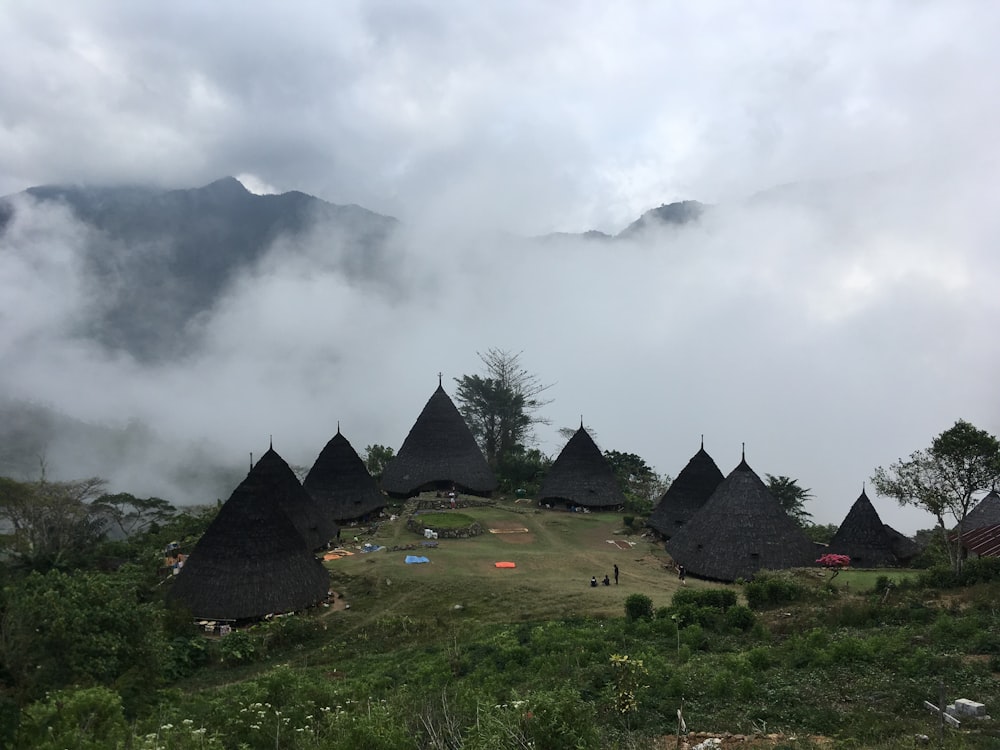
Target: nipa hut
pixel 686 494
pixel 868 542
pixel 340 483
pixel 252 560
pixel 740 530
pixel 581 476
pixel 439 452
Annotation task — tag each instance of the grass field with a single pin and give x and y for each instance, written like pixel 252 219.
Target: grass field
pixel 454 639
pixel 555 553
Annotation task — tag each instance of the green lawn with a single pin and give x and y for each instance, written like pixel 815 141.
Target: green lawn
pixel 555 552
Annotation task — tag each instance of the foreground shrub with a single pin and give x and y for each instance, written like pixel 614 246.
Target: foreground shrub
pixel 638 607
pixel 772 589
pixel 88 719
pixel 717 598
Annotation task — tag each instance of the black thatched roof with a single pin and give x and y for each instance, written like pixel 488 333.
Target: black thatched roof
pixel 741 529
pixel 340 483
pixel 277 478
pixel 252 560
pixel 986 513
pixel 686 494
pixel 867 541
pixel 581 475
pixel 904 548
pixel 438 452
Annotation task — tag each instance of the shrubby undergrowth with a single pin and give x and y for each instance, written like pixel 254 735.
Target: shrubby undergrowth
pixel 93 660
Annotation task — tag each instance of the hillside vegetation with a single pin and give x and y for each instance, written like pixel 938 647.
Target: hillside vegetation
pixel 457 653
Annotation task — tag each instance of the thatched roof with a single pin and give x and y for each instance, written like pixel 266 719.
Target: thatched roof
pixel 904 548
pixel 986 513
pixel 686 494
pixel 439 452
pixel 867 541
pixel 340 483
pixel 741 529
pixel 581 475
pixel 252 560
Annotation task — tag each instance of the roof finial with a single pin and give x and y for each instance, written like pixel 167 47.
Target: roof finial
pixel 581 421
pixel 744 456
pixel 703 441
pixel 270 442
pixel 338 426
pixel 440 375
pixel 251 460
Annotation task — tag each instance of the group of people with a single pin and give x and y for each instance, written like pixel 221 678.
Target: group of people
pixel 606 581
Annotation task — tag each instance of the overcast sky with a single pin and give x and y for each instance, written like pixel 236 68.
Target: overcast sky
pixel 833 327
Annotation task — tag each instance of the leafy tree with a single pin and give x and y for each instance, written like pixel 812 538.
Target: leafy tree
pixel 131 514
pixel 522 469
pixel 821 532
pixel 500 407
pixel 85 719
pixel 377 457
pixel 61 629
pixel 945 478
pixel 791 496
pixel 640 483
pixel 52 524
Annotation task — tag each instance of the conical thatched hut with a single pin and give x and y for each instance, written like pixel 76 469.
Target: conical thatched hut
pixel 986 513
pixel 581 476
pixel 282 484
pixel 869 542
pixel 741 529
pixel 439 452
pixel 252 560
pixel 686 494
pixel 340 483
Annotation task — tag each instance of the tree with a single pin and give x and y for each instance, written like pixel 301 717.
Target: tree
pixel 639 481
pixel 52 523
pixel 83 627
pixel 522 469
pixel 131 514
pixel 944 479
pixel 791 496
pixel 500 407
pixel 377 457
pixel 821 532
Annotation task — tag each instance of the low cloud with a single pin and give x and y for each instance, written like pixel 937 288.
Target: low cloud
pixel 827 336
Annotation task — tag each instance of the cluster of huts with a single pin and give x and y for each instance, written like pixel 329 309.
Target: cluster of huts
pixel 258 556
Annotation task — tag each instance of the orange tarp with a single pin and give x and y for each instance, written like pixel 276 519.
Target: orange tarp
pixel 504 565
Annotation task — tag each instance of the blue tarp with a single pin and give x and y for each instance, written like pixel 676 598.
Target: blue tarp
pixel 410 559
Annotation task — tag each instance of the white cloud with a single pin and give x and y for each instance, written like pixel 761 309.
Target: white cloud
pixel 833 325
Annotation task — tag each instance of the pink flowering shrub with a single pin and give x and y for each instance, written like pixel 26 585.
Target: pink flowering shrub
pixel 836 563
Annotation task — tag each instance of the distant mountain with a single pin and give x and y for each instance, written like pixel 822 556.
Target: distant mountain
pixel 668 214
pixel 157 261
pixel 158 258
pixel 676 214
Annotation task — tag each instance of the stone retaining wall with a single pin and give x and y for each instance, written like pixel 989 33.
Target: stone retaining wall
pixel 417 526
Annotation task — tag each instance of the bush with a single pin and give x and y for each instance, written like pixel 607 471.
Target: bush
pixel 87 719
pixel 740 618
pixel 770 590
pixel 718 598
pixel 638 607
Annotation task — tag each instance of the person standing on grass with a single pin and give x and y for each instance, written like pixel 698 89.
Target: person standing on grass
pixel 616 574
pixel 681 572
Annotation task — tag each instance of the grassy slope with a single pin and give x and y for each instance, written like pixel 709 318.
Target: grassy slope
pixel 555 560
